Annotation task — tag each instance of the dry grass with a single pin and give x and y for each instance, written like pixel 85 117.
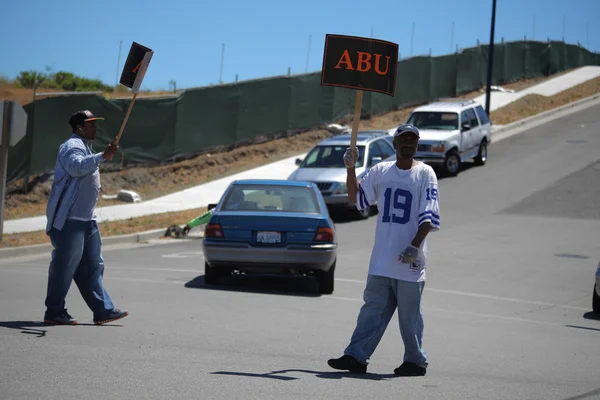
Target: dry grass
pixel 533 104
pixel 25 96
pixel 152 182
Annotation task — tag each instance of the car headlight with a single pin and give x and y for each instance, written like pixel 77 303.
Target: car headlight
pixel 438 147
pixel 340 188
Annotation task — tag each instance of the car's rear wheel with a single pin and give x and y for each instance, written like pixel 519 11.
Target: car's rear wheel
pixel 326 280
pixel 596 301
pixel 482 154
pixel 211 274
pixel 451 163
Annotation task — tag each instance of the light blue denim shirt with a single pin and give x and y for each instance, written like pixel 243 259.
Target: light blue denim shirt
pixel 75 167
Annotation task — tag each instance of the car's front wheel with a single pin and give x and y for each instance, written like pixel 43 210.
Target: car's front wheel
pixel 452 163
pixel 596 301
pixel 326 280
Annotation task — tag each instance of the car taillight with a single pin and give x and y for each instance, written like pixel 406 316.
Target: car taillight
pixel 213 231
pixel 324 235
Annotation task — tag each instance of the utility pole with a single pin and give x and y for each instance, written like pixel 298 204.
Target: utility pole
pixel 587 35
pixel 490 60
pixel 118 63
pixel 222 56
pixel 308 53
pixel 412 38
pixel 452 38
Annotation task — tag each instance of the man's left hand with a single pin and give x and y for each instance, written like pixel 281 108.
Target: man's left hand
pixel 110 151
pixel 409 255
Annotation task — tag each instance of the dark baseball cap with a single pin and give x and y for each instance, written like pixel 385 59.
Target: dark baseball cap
pixel 83 116
pixel 404 128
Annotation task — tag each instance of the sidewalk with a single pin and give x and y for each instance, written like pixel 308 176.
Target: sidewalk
pixel 195 197
pixel 202 195
pixel 548 88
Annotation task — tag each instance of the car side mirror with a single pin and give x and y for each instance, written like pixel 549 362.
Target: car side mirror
pixel 465 126
pixel 298 161
pixel 211 206
pixel 376 160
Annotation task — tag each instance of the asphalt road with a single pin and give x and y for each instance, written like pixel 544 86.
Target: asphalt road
pixel 507 304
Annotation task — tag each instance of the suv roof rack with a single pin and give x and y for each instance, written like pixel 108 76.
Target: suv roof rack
pixel 445 104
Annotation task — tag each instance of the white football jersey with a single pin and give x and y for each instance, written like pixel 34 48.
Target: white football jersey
pixel 405 199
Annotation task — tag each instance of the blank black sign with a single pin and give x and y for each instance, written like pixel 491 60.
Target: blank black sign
pixel 360 63
pixel 133 64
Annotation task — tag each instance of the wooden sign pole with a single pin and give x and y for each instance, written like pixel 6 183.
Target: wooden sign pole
pixel 357 108
pixel 116 140
pixel 135 86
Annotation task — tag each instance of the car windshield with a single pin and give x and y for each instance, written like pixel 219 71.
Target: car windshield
pixel 445 121
pixel 279 198
pixel 331 156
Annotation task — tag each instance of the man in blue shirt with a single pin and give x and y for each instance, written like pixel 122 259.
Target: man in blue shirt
pixel 74 234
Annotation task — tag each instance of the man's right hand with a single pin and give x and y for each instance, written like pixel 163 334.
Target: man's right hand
pixel 110 151
pixel 350 157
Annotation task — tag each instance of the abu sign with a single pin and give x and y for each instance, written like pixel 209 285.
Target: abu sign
pixel 360 63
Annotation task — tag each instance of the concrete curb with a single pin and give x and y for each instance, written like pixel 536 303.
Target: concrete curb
pixel 144 237
pixel 140 237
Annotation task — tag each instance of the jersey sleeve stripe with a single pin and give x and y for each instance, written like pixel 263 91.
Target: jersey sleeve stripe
pixel 429 212
pixel 363 198
pixel 360 199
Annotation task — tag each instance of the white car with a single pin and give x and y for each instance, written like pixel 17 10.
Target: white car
pixel 451 133
pixel 596 295
pixel 324 165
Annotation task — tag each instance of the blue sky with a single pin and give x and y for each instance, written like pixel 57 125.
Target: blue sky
pixel 262 38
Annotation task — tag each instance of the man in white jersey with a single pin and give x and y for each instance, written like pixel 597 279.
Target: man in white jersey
pixel 407 196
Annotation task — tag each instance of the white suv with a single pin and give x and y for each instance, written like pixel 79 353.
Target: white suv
pixel 451 133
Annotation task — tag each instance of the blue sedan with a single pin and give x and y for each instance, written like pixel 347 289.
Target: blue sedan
pixel 271 227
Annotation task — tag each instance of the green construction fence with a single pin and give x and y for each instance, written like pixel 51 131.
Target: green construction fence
pixel 161 129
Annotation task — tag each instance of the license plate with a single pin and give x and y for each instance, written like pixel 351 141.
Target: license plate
pixel 268 237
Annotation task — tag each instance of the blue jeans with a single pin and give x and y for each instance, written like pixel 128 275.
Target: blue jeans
pixel 77 256
pixel 382 296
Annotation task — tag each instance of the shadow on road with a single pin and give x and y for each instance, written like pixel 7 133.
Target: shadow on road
pixel 33 327
pixel 264 284
pixel 277 375
pixel 26 327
